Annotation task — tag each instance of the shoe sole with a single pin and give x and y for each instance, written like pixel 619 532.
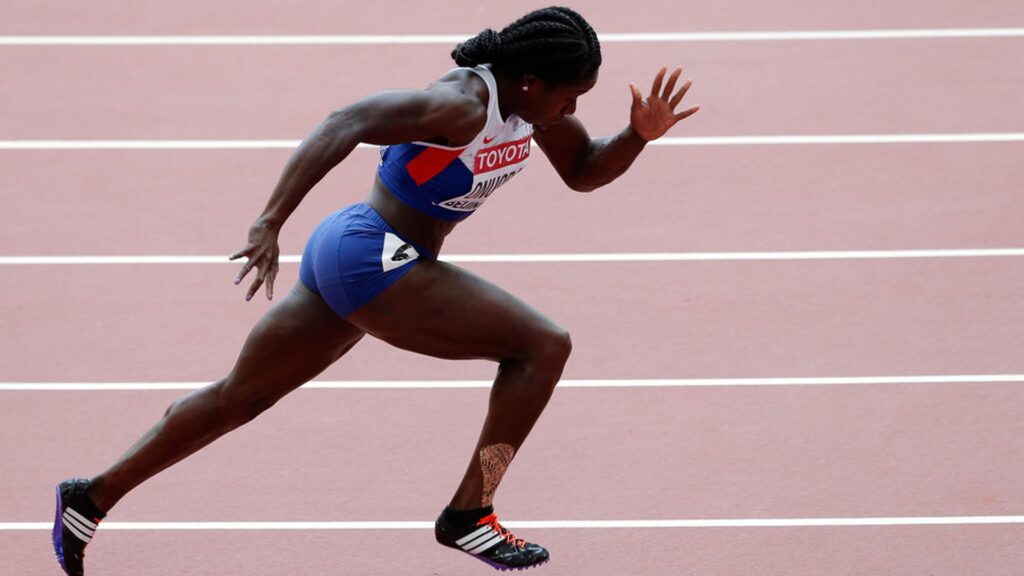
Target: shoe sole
pixel 502 567
pixel 58 532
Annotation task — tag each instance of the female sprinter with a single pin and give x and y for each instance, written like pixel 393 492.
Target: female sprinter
pixel 372 268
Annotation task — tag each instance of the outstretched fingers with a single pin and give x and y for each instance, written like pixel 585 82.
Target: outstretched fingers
pixel 687 113
pixel 271 274
pixel 249 263
pixel 637 96
pixel 266 270
pixel 679 95
pixel 261 275
pixel 658 79
pixel 653 117
pixel 667 93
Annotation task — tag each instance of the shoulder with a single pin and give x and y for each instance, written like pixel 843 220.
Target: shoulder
pixel 449 112
pixel 459 100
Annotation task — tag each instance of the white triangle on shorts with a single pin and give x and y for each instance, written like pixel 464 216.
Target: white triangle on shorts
pixel 396 252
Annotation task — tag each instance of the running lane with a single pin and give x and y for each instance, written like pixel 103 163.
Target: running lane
pixel 746 198
pixel 936 551
pixel 468 16
pixel 281 92
pixel 597 454
pixel 628 320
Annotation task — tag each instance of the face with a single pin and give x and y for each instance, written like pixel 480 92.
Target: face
pixel 546 104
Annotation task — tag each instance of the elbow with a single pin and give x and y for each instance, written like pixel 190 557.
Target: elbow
pixel 583 184
pixel 584 177
pixel 580 182
pixel 582 187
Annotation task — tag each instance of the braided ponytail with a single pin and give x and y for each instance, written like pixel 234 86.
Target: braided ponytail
pixel 555 44
pixel 483 48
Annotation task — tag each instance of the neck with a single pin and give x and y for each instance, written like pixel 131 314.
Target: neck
pixel 509 94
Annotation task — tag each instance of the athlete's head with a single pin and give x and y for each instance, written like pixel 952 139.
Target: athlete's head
pixel 552 52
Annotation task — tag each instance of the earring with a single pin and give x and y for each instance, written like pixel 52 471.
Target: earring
pixel 525 87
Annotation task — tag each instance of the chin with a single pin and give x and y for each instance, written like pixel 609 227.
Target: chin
pixel 545 122
pixel 555 120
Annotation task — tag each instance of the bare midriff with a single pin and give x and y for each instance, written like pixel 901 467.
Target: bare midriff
pixel 411 223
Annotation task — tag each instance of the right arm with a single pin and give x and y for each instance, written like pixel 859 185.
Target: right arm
pixel 443 111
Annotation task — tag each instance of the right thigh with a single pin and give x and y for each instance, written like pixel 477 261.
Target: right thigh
pixel 292 343
pixel 444 311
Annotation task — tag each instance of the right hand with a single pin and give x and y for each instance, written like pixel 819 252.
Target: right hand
pixel 652 117
pixel 262 252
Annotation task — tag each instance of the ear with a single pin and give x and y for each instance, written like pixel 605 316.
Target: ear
pixel 532 84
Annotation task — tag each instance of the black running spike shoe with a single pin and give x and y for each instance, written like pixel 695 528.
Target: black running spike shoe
pixel 76 521
pixel 489 541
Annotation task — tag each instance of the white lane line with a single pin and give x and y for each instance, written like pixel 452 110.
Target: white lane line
pixel 552 524
pixel 554 258
pixel 779 140
pixel 608 383
pixel 372 39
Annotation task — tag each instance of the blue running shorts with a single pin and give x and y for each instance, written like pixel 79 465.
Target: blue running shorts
pixel 354 255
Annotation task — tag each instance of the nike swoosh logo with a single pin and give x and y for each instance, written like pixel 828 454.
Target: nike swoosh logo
pixel 489 140
pixel 400 254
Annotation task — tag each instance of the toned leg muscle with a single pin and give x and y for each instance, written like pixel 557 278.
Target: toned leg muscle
pixel 444 311
pixel 292 343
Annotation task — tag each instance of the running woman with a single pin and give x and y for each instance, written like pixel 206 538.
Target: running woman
pixel 372 267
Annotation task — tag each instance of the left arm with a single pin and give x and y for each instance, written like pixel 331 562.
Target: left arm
pixel 586 163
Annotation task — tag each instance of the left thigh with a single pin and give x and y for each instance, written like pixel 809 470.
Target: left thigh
pixel 297 339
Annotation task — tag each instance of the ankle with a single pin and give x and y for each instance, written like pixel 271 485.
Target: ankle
pixel 96 496
pixel 470 516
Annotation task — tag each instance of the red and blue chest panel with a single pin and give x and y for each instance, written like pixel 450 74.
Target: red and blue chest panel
pixel 451 183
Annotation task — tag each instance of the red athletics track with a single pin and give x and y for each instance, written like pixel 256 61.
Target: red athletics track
pixel 124 17
pixel 707 198
pixel 721 319
pixel 887 451
pixel 258 92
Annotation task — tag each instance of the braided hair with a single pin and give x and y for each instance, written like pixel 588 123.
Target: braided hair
pixel 554 44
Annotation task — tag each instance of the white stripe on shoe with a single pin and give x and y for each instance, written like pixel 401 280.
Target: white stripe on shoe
pixel 473 536
pixel 476 541
pixel 70 520
pixel 77 530
pixel 487 545
pixel 86 523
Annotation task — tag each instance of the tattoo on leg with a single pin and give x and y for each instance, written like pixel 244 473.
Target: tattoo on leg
pixel 494 460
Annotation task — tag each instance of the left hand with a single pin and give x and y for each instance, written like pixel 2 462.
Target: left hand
pixel 262 252
pixel 651 118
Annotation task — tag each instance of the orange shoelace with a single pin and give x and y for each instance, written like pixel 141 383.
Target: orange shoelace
pixel 492 520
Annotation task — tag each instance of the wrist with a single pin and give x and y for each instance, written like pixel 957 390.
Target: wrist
pixel 269 222
pixel 634 136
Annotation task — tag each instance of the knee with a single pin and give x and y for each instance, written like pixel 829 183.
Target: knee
pixel 235 407
pixel 549 352
pixel 556 347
